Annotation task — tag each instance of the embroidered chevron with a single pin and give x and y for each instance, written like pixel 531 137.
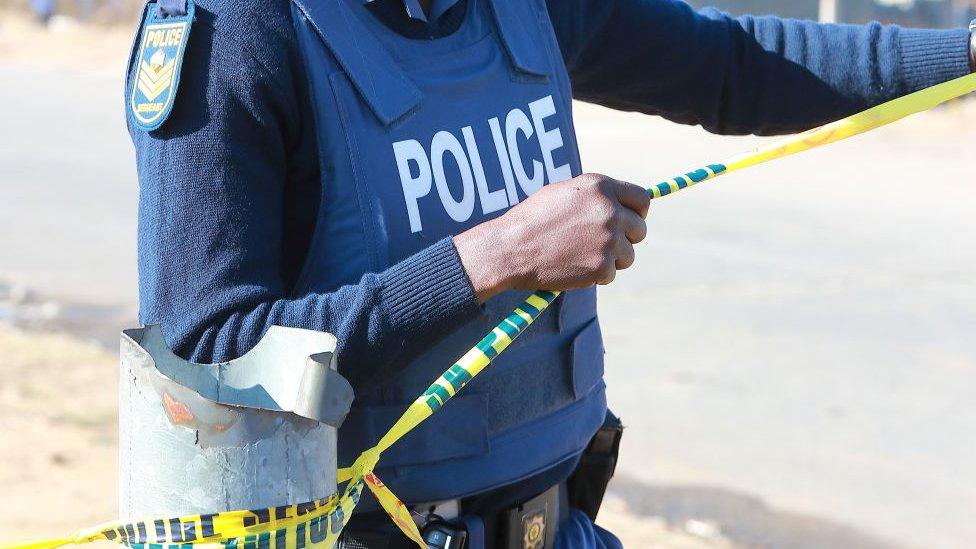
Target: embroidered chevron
pixel 155 78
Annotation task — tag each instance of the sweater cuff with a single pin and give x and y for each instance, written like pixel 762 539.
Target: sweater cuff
pixel 429 291
pixel 930 57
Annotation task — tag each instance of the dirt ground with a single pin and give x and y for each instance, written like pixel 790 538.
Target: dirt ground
pixel 58 416
pixel 66 44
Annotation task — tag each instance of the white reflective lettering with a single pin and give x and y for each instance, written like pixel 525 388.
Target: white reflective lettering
pixel 491 201
pixel 445 142
pixel 421 169
pixel 515 122
pixel 413 187
pixel 503 160
pixel 549 140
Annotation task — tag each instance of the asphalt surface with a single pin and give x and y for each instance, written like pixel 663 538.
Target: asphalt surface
pixel 799 334
pixel 68 196
pixel 804 331
pixel 68 188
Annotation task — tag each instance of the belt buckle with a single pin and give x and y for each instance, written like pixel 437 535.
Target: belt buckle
pixel 441 534
pixel 437 522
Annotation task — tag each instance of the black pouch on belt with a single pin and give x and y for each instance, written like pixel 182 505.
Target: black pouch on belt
pixel 589 481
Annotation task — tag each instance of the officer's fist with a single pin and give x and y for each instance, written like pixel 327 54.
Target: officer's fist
pixel 567 235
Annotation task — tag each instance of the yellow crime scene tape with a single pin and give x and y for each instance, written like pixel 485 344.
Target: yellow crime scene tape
pixel 317 524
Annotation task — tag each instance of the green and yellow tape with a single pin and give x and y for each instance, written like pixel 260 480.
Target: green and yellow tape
pixel 863 122
pixel 317 524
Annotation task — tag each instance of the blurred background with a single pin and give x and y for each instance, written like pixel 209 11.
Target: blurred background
pixel 793 354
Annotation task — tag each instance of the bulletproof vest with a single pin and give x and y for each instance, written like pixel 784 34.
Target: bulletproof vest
pixel 423 139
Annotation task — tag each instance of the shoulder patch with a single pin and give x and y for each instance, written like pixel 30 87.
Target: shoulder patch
pixel 157 72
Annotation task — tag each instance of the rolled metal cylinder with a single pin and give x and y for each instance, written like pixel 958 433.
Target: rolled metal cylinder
pixel 259 431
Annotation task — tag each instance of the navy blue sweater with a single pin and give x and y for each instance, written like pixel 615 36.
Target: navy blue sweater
pixel 229 186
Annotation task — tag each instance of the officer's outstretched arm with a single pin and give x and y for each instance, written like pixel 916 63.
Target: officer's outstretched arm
pixel 761 75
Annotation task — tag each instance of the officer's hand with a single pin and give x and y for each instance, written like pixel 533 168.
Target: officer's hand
pixel 567 235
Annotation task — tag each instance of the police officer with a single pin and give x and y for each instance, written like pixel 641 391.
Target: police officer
pixel 398 172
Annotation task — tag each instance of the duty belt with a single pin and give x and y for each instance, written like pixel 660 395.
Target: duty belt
pixel 529 525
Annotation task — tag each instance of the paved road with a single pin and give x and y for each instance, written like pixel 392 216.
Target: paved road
pixel 801 333
pixel 804 331
pixel 67 185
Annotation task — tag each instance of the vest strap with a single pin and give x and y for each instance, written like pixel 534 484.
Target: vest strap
pixel 381 82
pixel 171 8
pixel 513 26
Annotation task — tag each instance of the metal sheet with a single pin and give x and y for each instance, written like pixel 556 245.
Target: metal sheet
pixel 289 370
pixel 181 452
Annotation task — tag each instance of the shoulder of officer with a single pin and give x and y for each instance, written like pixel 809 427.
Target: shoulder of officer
pixel 262 27
pixel 228 46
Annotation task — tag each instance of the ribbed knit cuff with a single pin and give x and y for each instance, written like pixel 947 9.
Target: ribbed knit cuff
pixel 429 291
pixel 930 57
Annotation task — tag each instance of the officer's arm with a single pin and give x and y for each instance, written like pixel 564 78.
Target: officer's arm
pixel 212 200
pixel 760 75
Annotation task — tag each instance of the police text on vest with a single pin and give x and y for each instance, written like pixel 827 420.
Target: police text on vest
pixel 421 173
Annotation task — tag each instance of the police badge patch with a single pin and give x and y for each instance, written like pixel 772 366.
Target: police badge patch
pixel 157 72
pixel 534 530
